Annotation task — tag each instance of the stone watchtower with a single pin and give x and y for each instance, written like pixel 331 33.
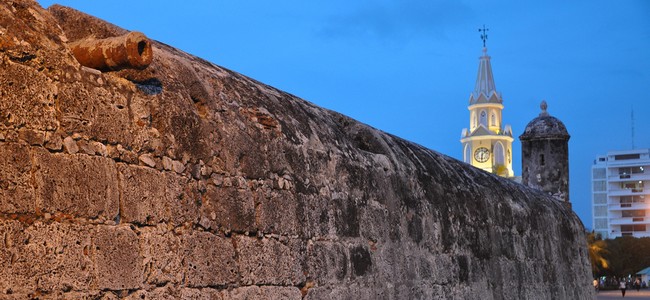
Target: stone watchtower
pixel 545 155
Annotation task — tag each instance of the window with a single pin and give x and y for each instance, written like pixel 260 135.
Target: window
pixel 598 173
pixel 600 211
pixel 630 228
pixel 624 172
pixel 468 154
pixel 473 117
pixel 627 156
pixel 493 120
pixel 541 160
pixel 599 186
pixel 498 154
pixel 483 119
pixel 600 223
pixel 632 213
pixel 633 199
pixel 635 186
pixel 600 198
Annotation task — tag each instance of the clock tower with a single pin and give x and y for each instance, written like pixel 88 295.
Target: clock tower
pixel 487 144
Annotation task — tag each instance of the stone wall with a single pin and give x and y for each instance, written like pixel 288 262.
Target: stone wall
pixel 545 164
pixel 189 181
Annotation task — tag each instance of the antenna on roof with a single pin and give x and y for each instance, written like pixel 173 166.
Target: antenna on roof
pixel 632 119
pixel 484 35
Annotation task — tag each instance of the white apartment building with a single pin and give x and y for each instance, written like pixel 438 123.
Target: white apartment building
pixel 620 184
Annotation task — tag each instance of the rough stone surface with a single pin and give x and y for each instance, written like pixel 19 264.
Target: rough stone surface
pixel 186 180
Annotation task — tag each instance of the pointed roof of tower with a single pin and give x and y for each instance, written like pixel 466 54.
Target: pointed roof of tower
pixel 484 83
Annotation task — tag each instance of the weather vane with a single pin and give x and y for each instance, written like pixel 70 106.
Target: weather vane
pixel 483 34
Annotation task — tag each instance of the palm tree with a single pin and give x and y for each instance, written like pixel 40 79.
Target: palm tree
pixel 597 251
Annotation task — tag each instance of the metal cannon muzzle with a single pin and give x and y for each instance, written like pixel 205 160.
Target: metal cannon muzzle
pixel 130 51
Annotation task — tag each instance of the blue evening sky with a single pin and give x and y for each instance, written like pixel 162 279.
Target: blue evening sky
pixel 407 67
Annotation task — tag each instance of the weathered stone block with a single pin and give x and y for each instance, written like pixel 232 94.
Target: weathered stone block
pixel 143 195
pixel 63 252
pixel 229 208
pixel 267 261
pixel 263 293
pixel 162 253
pixel 17 273
pixel 148 160
pixel 44 257
pixel 185 198
pixel 172 293
pixel 95 118
pixel 53 141
pixel 327 262
pixel 32 137
pixel 202 294
pixel 167 163
pixel 314 212
pixel 209 260
pixel 276 212
pixel 27 99
pixel 355 291
pixel 79 185
pixel 360 261
pixel 373 211
pixel 70 145
pixel 16 190
pixel 151 197
pixel 119 264
pixel 345 214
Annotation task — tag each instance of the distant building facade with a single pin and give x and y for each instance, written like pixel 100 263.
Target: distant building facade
pixel 620 199
pixel 487 144
pixel 545 155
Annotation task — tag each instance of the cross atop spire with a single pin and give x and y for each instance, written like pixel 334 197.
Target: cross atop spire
pixel 484 35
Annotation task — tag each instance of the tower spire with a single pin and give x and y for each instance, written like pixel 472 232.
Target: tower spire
pixel 484 35
pixel 487 143
pixel 484 80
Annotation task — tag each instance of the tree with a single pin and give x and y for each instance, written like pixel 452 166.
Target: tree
pixel 597 252
pixel 627 255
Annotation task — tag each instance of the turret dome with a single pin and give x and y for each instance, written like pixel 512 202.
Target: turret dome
pixel 545 126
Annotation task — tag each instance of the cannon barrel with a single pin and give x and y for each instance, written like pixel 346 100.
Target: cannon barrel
pixel 129 51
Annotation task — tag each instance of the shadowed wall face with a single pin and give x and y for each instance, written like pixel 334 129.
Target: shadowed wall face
pixel 546 166
pixel 188 180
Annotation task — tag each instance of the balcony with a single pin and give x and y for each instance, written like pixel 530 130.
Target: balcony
pixel 629 221
pixel 638 234
pixel 625 192
pixel 628 177
pixel 616 206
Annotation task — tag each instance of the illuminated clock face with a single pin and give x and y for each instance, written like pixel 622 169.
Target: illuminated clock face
pixel 482 154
